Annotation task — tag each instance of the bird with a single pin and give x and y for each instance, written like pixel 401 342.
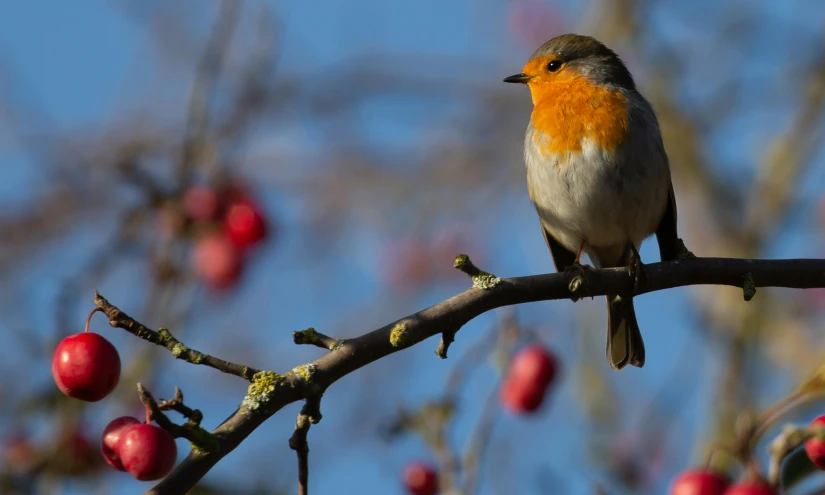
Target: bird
pixel 597 172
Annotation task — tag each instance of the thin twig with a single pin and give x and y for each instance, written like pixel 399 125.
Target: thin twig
pixel 199 437
pixel 176 404
pixel 479 441
pixel 312 337
pixel 206 78
pixel 310 414
pixel 163 338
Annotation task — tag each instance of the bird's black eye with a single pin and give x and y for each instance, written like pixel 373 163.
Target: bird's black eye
pixel 554 65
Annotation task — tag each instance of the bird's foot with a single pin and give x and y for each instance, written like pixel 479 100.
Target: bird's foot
pixel 577 273
pixel 637 271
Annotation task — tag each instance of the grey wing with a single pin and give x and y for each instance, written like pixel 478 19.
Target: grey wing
pixel 666 233
pixel 562 257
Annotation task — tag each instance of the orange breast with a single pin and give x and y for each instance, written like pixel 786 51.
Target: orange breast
pixel 572 109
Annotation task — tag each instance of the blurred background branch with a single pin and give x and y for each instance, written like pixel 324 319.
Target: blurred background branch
pixel 377 143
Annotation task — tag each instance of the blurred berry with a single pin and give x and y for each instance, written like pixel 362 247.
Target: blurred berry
pixel 201 203
pixel 245 223
pixel 217 261
pixel 529 375
pixel 76 455
pixel 18 452
pixel 420 479
pixel 815 447
pixel 699 482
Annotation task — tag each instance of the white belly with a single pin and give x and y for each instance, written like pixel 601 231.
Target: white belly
pixel 605 199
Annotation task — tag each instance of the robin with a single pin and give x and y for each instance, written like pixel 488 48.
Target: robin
pixel 597 171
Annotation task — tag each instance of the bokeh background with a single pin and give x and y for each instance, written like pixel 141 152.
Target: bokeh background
pixel 380 141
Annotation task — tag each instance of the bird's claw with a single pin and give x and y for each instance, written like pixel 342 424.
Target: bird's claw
pixel 637 271
pixel 684 253
pixel 577 273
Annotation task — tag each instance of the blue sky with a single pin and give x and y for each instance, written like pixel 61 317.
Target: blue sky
pixel 78 62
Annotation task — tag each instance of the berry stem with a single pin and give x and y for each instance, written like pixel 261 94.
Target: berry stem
pixel 89 318
pixel 148 413
pixel 770 415
pixel 715 448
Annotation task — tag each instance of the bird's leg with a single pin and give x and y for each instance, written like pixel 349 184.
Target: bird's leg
pixel 636 269
pixel 577 272
pixel 579 254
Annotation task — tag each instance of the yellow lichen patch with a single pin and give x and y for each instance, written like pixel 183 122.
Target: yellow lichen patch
pixel 305 371
pixel 260 391
pixel 398 335
pixel 570 108
pixel 263 382
pixel 178 349
pixel 308 336
pixel 485 281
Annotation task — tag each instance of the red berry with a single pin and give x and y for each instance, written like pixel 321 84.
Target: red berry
pixel 111 435
pixel 699 482
pixel 751 488
pixel 420 479
pixel 201 203
pixel 533 363
pixel 529 375
pixel 244 222
pixel 520 396
pixel 147 452
pixel 815 448
pixel 217 261
pixel 86 366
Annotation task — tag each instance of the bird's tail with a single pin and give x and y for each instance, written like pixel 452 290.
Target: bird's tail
pixel 624 340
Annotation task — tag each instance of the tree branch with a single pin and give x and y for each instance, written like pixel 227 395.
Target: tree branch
pixel 163 338
pixel 452 314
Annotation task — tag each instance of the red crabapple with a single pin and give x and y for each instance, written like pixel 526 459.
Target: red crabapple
pixel 146 451
pixel 111 435
pixel 86 366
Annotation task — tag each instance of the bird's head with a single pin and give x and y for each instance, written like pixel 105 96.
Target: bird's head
pixel 568 57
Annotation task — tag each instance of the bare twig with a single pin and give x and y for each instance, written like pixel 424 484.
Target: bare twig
pixel 481 280
pixel 310 414
pixel 477 445
pixel 200 438
pixel 163 338
pixel 312 337
pixel 176 404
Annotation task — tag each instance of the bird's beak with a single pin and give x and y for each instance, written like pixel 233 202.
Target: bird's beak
pixel 518 78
